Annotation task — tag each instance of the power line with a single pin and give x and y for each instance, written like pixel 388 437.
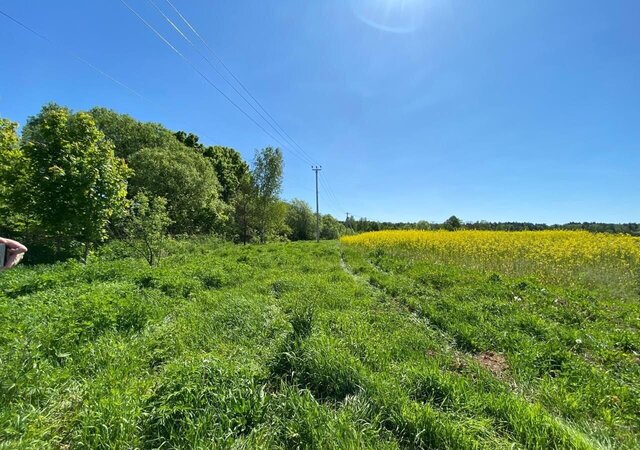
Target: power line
pixel 325 183
pixel 215 55
pixel 335 197
pixel 329 202
pixel 219 59
pixel 275 126
pixel 84 61
pixel 303 155
pixel 175 27
pixel 328 198
pixel 328 195
pixel 199 72
pixel 69 52
pixel 212 65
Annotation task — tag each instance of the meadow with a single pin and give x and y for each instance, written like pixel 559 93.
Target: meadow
pixel 380 341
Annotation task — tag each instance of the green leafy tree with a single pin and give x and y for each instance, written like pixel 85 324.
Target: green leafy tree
pixel 145 225
pixel 227 162
pixel 230 169
pixel 267 178
pixel 74 182
pixel 331 228
pixel 452 223
pixel 278 229
pixel 301 220
pixel 11 177
pixel 130 135
pixel 187 181
pixel 189 139
pixel 243 210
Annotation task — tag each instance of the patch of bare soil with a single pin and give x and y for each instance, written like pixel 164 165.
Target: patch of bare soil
pixel 494 362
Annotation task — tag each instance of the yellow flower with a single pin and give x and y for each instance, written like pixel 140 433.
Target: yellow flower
pixel 552 255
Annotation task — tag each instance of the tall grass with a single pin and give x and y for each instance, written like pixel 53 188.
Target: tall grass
pixel 278 346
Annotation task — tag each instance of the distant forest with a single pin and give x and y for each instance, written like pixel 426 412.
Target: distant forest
pixel 364 224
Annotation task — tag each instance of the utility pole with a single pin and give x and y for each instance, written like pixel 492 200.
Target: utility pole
pixel 317 169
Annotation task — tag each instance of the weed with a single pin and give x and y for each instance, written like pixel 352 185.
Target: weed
pixel 284 346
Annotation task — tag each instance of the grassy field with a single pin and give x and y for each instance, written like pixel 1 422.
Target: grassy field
pixel 352 345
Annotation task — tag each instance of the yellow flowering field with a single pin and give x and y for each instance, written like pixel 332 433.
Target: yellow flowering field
pixel 553 256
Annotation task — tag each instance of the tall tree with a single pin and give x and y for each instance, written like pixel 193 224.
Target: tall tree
pixel 267 177
pixel 74 181
pixel 452 223
pixel 331 228
pixel 11 174
pixel 243 210
pixel 187 181
pixel 230 169
pixel 130 135
pixel 227 162
pixel 189 139
pixel 301 220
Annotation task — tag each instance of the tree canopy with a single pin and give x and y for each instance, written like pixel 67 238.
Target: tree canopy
pixel 73 181
pixel 452 223
pixel 187 181
pixel 11 168
pixel 301 220
pixel 129 135
pixel 230 169
pixel 268 169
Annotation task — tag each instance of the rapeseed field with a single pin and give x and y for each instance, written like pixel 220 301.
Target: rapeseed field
pixel 570 257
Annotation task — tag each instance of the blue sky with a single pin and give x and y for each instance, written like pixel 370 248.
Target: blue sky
pixel 416 109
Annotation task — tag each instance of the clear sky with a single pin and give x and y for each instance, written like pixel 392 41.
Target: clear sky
pixel 416 109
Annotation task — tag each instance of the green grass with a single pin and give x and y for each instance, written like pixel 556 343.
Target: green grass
pixel 309 346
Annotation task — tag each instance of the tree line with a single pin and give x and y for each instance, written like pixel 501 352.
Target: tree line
pixel 453 223
pixel 70 181
pixel 73 180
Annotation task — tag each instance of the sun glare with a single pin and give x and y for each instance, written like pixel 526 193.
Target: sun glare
pixel 393 16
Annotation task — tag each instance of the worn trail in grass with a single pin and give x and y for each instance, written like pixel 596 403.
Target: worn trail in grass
pixel 277 346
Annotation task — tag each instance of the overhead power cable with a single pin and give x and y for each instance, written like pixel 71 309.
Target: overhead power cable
pixel 235 89
pixel 326 199
pixel 244 88
pixel 331 195
pixel 200 73
pixel 74 55
pixel 275 125
pixel 82 60
pixel 331 191
pixel 300 153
